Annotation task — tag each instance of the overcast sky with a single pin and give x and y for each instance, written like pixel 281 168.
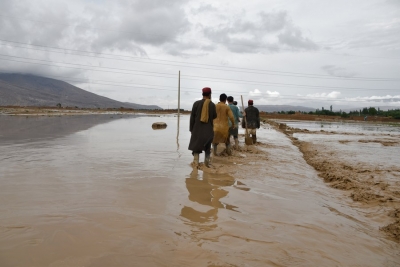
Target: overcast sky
pixel 277 52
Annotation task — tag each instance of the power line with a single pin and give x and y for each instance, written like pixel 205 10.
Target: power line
pixel 158 35
pixel 272 83
pixel 108 82
pixel 284 97
pixel 190 77
pixel 196 90
pixel 271 98
pixel 204 66
pixel 52 65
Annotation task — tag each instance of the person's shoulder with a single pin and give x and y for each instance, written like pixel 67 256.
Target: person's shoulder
pixel 196 102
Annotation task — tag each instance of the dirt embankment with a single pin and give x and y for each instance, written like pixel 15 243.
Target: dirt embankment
pixel 365 184
pixel 309 117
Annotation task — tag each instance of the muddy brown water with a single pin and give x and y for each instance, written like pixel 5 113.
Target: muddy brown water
pixel 102 191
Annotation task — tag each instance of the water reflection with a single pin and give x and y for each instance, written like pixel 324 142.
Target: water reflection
pixel 344 126
pixel 205 189
pixel 16 129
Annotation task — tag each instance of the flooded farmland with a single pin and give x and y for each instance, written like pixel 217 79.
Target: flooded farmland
pixel 108 190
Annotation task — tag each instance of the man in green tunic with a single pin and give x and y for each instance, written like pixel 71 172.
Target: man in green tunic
pixel 201 126
pixel 234 131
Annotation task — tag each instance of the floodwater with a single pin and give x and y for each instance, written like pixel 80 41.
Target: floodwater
pixel 340 126
pixel 111 191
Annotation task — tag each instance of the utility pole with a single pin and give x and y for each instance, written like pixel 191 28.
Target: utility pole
pixel 179 93
pixel 179 108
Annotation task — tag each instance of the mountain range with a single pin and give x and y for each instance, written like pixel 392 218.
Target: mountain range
pixel 29 90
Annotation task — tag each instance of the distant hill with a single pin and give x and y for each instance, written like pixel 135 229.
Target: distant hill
pixel 29 90
pixel 276 108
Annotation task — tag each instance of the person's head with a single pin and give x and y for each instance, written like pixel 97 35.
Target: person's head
pixel 250 102
pixel 223 98
pixel 230 99
pixel 235 103
pixel 207 91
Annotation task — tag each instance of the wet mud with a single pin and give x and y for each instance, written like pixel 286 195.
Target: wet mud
pixel 368 182
pixel 118 193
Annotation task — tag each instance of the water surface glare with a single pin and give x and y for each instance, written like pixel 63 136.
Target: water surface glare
pixel 341 126
pixel 110 191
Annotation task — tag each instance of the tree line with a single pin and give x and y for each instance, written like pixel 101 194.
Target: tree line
pixel 371 111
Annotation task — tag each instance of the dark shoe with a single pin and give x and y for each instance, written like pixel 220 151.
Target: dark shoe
pixel 207 160
pixel 229 150
pixel 215 146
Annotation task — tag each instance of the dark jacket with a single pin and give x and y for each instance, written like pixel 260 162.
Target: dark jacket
pixel 252 117
pixel 202 133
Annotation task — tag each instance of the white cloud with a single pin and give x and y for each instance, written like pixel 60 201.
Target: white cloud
pixel 331 95
pixel 272 94
pixel 255 93
pixel 383 99
pixel 265 32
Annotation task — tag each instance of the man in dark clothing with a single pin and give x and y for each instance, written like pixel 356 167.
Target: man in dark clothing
pixel 201 127
pixel 253 120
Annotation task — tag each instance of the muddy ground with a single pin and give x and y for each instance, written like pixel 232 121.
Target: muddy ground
pixel 366 183
pixel 374 186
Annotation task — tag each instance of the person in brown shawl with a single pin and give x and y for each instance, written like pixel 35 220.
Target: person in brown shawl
pixel 201 126
pixel 221 124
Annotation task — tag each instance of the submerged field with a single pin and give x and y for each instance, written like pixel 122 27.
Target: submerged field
pixel 108 190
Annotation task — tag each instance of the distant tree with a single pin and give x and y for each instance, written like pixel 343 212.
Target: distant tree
pixel 365 111
pixel 59 105
pixel 291 112
pixel 331 108
pixel 372 111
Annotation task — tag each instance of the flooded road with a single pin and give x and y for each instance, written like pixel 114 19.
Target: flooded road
pixel 111 191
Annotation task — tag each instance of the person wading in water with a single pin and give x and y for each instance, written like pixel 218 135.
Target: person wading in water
pixel 237 115
pixel 253 120
pixel 201 126
pixel 221 125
